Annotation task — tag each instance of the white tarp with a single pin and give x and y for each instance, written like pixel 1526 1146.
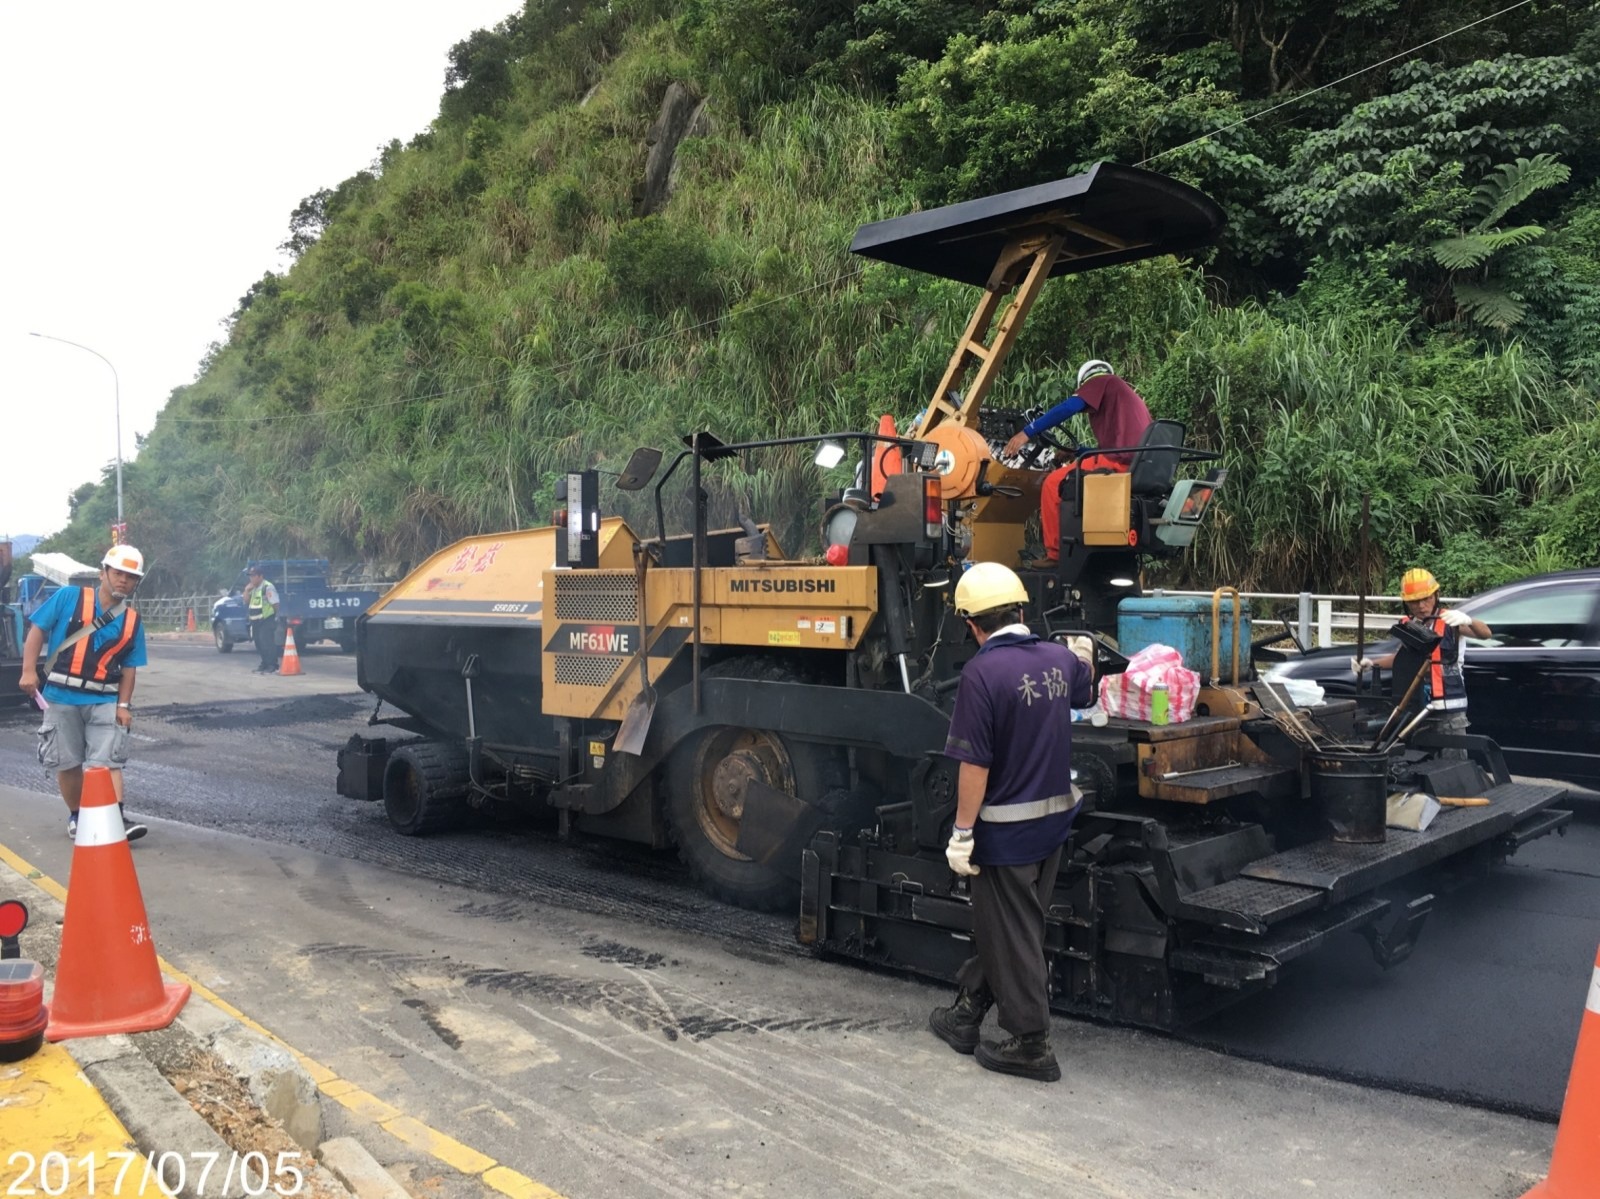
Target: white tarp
pixel 64 570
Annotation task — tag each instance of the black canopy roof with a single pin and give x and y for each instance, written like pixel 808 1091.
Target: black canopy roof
pixel 1109 214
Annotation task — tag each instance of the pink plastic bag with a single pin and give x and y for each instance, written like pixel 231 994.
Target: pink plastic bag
pixel 1128 694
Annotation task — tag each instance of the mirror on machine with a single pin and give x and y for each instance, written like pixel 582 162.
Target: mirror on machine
pixel 641 468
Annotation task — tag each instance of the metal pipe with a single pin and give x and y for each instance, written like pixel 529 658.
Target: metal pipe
pixel 1361 599
pixel 698 541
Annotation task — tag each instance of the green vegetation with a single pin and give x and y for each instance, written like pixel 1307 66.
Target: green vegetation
pixel 1406 303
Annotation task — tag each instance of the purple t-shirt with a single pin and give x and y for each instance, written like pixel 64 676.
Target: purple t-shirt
pixel 1117 415
pixel 1013 714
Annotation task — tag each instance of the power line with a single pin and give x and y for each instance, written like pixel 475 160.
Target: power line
pixel 1343 79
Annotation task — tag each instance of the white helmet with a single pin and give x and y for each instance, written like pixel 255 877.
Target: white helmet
pixel 988 587
pixel 124 558
pixel 1095 366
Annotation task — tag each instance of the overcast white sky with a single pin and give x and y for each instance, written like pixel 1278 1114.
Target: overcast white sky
pixel 153 153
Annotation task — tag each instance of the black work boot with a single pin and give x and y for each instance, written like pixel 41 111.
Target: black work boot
pixel 1026 1057
pixel 957 1025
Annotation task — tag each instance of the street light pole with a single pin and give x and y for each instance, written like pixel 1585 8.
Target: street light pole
pixel 116 396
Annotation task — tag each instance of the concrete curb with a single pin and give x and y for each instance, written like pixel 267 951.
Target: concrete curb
pixel 274 1077
pixel 159 1119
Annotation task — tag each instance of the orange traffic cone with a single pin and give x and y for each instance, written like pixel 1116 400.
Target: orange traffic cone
pixel 189 627
pixel 1575 1161
pixel 107 978
pixel 885 458
pixel 291 656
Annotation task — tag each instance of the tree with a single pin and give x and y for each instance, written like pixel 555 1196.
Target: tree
pixel 1486 298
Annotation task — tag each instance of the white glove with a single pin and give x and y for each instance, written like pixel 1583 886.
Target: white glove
pixel 959 852
pixel 1084 648
pixel 1455 618
pixel 1360 666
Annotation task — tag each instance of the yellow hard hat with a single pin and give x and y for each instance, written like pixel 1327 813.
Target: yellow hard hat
pixel 1417 584
pixel 988 586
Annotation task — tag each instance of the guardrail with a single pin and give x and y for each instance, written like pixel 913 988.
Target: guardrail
pixel 1317 620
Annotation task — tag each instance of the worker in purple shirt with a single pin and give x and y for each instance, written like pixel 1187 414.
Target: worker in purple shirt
pixel 1118 418
pixel 1011 731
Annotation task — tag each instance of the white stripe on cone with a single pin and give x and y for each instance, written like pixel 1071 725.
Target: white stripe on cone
pixel 1593 1006
pixel 100 825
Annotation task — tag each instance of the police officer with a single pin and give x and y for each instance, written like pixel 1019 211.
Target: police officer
pixel 262 599
pixel 1011 732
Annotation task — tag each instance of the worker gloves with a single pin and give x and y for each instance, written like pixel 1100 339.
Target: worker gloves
pixel 1360 666
pixel 1455 618
pixel 959 852
pixel 1084 648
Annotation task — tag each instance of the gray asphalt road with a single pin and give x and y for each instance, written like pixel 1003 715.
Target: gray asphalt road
pixel 1486 1011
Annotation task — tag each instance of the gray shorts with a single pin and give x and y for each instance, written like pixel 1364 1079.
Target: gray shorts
pixel 74 735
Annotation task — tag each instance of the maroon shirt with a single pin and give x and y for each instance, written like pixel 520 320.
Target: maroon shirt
pixel 1117 414
pixel 1013 714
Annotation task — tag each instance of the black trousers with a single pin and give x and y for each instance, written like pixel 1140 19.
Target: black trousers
pixel 1008 907
pixel 264 633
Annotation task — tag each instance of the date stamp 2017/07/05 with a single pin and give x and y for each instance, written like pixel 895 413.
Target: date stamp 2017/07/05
pixel 124 1173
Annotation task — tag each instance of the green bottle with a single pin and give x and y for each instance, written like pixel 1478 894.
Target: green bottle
pixel 1158 704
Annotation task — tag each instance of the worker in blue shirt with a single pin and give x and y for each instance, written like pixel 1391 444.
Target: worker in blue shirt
pixel 94 643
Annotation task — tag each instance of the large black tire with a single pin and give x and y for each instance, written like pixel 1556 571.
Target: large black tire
pixel 705 797
pixel 219 634
pixel 425 787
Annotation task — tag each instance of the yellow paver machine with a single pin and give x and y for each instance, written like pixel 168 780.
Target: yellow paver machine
pixel 781 719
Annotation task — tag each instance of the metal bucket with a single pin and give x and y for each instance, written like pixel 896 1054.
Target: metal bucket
pixel 1351 790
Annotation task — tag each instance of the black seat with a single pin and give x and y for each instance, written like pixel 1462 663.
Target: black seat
pixel 1155 462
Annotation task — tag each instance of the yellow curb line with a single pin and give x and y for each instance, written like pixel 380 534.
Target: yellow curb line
pixel 396 1123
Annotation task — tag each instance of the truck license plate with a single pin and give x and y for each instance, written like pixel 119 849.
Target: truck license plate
pixel 333 622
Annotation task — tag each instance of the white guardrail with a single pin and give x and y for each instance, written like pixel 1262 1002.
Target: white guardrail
pixel 1316 619
pixel 172 611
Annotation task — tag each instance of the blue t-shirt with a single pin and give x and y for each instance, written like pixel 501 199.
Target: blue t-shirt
pixel 1013 714
pixel 54 616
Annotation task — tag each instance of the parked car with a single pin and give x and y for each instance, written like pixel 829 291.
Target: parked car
pixel 1534 686
pixel 317 610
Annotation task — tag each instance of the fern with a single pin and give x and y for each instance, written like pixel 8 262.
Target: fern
pixel 1511 183
pixel 1489 305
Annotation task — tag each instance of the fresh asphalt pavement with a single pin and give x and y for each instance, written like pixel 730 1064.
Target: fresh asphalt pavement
pixel 584 1015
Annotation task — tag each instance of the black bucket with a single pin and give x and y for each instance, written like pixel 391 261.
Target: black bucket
pixel 1351 790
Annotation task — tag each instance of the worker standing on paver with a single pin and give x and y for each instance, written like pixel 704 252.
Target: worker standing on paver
pixel 95 644
pixel 262 599
pixel 1012 733
pixel 1444 684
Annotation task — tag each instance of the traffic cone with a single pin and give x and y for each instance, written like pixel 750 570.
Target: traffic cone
pixel 1575 1161
pixel 291 656
pixel 107 977
pixel 885 458
pixel 189 627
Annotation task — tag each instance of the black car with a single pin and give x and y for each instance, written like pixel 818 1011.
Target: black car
pixel 1534 686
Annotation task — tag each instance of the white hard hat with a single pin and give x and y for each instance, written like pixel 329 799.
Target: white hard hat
pixel 1095 366
pixel 124 558
pixel 987 587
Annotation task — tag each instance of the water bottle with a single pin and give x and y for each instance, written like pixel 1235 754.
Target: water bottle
pixel 1158 704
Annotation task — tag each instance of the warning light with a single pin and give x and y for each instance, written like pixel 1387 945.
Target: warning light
pixel 13 918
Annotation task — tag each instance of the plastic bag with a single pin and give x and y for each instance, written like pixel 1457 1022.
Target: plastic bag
pixel 1128 694
pixel 1306 693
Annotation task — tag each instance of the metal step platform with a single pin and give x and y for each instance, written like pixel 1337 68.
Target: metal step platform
pixel 1288 884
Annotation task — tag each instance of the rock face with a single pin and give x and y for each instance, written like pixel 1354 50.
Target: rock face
pixel 683 114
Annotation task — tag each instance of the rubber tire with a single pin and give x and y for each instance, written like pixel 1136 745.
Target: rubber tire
pixel 425 787
pixel 820 773
pixel 219 634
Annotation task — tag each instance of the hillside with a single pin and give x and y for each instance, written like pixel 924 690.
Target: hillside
pixel 630 220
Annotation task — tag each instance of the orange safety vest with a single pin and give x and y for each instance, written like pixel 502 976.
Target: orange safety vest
pixel 84 668
pixel 1447 685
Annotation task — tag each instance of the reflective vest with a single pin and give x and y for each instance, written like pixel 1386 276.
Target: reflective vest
pixel 260 609
pixel 83 668
pixel 1446 684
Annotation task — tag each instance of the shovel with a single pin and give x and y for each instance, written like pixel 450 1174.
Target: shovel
pixel 636 721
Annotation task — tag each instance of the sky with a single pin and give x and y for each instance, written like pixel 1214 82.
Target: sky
pixel 153 154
